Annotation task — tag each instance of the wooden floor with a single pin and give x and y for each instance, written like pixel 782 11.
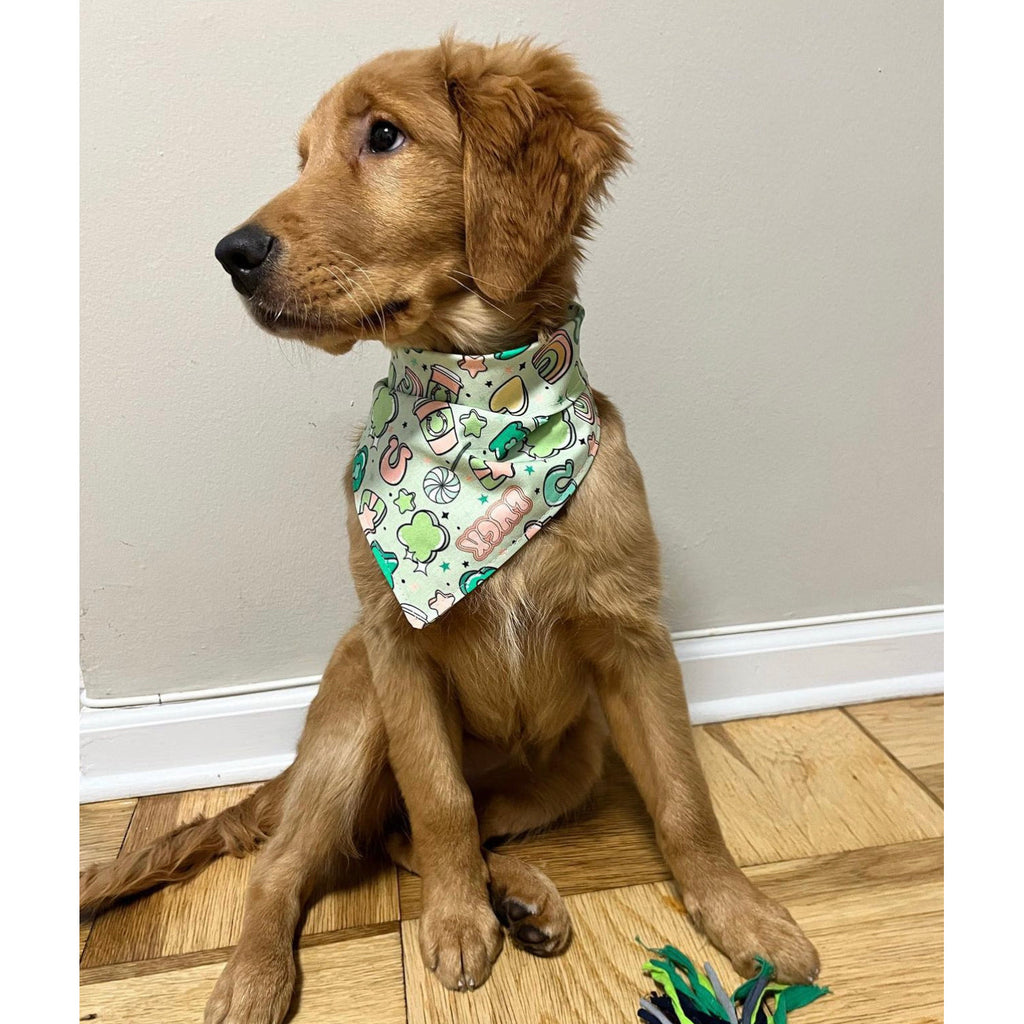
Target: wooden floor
pixel 837 813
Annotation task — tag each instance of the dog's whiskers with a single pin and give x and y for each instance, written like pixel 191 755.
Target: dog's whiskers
pixel 383 317
pixel 350 285
pixel 378 308
pixel 473 278
pixel 482 298
pixel 366 317
pixel 356 265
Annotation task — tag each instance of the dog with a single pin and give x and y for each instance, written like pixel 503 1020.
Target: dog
pixel 442 199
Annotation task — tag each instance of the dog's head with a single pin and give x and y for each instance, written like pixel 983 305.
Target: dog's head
pixel 442 194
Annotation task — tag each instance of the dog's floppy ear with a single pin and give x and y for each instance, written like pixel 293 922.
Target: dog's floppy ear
pixel 537 151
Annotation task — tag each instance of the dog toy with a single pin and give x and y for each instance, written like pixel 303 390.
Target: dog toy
pixel 701 998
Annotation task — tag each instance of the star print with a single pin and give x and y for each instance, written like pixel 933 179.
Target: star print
pixel 366 521
pixel 472 423
pixel 440 603
pixel 536 490
pixel 499 469
pixel 406 501
pixel 522 366
pixel 529 469
pixel 445 566
pixel 488 383
pixel 465 565
pixel 444 515
pixel 483 499
pixel 472 365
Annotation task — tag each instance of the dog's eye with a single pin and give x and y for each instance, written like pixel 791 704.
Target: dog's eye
pixel 384 137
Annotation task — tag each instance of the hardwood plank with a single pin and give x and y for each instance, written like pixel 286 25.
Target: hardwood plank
pixel 359 980
pixel 912 731
pixel 785 788
pixel 866 910
pixel 206 912
pixel 101 831
pixel 803 785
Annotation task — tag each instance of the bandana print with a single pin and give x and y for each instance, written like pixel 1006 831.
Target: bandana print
pixel 465 458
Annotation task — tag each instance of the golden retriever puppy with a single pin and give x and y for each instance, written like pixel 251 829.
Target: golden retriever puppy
pixel 441 201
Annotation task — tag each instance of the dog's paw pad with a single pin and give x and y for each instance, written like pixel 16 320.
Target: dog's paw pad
pixel 514 910
pixel 538 931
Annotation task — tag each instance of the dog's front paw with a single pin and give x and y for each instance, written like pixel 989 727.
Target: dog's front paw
pixel 529 906
pixel 460 942
pixel 744 924
pixel 541 930
pixel 252 990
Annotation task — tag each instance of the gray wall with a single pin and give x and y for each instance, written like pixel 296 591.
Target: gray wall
pixel 769 275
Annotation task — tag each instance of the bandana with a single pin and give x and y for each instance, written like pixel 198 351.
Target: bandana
pixel 465 458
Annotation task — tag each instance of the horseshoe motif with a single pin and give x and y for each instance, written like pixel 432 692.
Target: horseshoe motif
pixel 394 461
pixel 437 421
pixel 559 484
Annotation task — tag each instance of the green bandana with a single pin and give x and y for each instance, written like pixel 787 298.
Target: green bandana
pixel 464 458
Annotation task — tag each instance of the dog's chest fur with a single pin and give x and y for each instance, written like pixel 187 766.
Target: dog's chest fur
pixel 510 651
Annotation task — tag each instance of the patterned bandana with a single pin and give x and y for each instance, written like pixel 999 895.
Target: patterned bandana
pixel 465 458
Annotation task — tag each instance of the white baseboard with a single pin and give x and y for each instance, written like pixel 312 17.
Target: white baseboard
pixel 172 742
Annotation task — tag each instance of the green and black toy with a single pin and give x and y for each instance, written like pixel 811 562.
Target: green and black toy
pixel 689 996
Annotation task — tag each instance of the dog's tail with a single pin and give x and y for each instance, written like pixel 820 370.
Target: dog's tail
pixel 180 854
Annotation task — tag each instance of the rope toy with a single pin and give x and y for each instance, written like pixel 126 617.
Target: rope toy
pixel 701 998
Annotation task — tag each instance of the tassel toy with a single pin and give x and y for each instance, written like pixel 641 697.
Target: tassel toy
pixel 690 997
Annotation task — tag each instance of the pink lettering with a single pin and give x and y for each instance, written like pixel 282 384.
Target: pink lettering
pixel 480 539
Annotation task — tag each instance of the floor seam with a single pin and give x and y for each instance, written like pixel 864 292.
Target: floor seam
pixel 201 957
pixel 401 945
pixel 892 757
pixel 120 847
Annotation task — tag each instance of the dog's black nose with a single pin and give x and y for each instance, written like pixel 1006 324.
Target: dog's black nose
pixel 243 254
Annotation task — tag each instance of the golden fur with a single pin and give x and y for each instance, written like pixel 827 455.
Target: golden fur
pixel 493 720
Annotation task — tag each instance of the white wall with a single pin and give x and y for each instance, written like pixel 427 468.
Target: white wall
pixel 770 273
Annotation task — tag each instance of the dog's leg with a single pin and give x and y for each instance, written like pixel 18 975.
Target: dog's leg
pixel 524 899
pixel 641 690
pixel 460 937
pixel 520 798
pixel 339 762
